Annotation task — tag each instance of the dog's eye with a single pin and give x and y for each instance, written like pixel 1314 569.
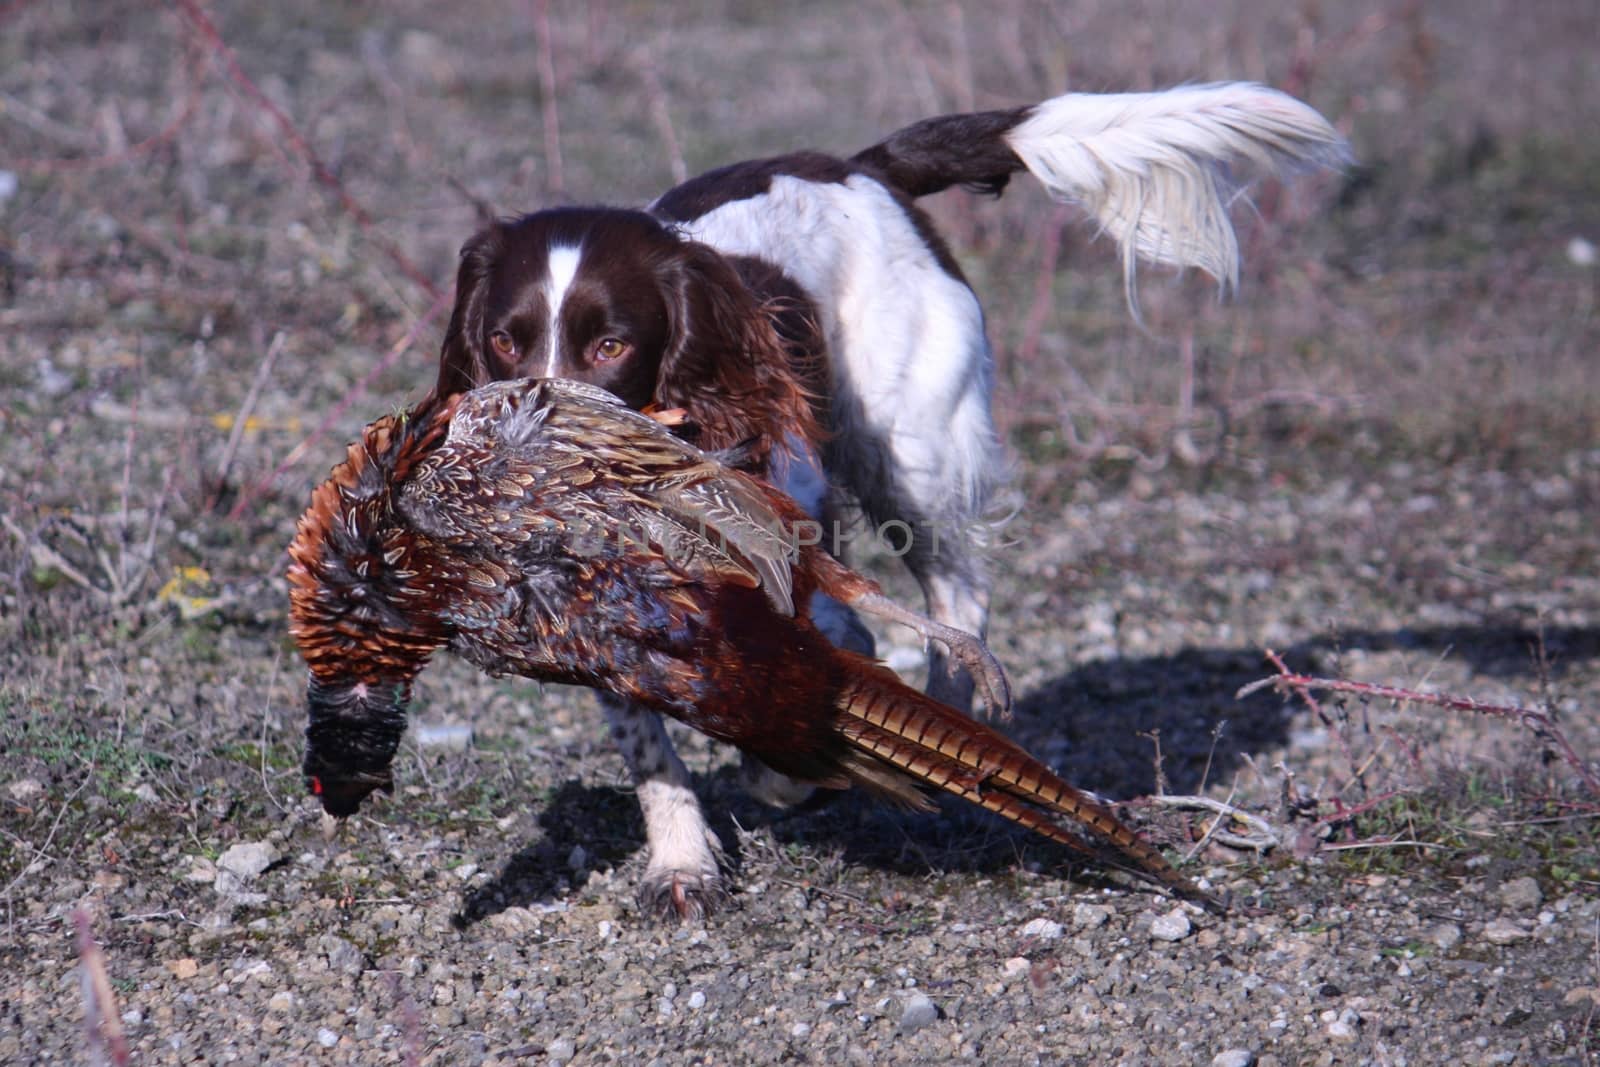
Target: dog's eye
pixel 503 345
pixel 610 348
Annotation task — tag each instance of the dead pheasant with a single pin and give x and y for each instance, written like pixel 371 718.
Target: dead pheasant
pixel 542 528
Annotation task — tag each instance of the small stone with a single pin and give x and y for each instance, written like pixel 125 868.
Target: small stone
pixel 1584 994
pixel 327 1038
pixel 697 1000
pixel 1580 251
pixel 1173 926
pixel 1016 967
pixel 24 789
pixel 1346 1026
pixel 183 969
pixel 452 737
pixel 1445 936
pixel 918 1011
pixel 1234 1057
pixel 344 957
pixel 800 1030
pixel 1521 894
pixel 561 1050
pixel 578 858
pixel 1503 932
pixel 281 1001
pixel 465 871
pixel 1090 916
pixel 1042 930
pixel 247 861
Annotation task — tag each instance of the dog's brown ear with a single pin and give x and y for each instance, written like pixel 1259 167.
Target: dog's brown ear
pixel 463 364
pixel 726 364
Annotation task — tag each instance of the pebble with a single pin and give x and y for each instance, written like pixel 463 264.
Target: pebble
pixel 1173 926
pixel 697 1000
pixel 246 861
pixel 327 1038
pixel 1043 929
pixel 1016 966
pixel 1234 1057
pixel 1521 894
pixel 1445 936
pixel 1344 1026
pixel 561 1050
pixel 452 737
pixel 918 1011
pixel 24 789
pixel 1503 932
pixel 1090 916
pixel 344 957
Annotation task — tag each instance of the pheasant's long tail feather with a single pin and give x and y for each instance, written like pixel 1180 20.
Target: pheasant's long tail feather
pixel 942 748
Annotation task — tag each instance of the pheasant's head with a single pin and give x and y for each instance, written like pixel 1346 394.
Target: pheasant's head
pixel 351 740
pixel 355 612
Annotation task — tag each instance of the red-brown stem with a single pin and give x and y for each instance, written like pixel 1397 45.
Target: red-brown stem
pixel 102 1026
pixel 1537 721
pixel 207 29
pixel 1326 719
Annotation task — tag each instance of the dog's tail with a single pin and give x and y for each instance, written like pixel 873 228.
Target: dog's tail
pixel 1156 170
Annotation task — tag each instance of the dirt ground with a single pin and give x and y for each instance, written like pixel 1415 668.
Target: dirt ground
pixel 227 234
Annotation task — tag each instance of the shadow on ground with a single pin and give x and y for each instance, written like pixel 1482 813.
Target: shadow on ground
pixel 1186 699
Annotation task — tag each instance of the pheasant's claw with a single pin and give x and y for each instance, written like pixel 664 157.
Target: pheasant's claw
pixel 969 651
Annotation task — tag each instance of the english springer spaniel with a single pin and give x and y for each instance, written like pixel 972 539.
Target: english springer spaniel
pixel 803 310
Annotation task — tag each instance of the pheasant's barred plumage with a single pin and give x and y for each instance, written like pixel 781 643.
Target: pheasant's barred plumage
pixel 542 528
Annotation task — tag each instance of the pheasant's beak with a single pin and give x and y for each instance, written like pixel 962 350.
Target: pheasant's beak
pixel 342 796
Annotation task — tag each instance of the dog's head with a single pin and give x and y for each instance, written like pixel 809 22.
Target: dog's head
pixel 614 298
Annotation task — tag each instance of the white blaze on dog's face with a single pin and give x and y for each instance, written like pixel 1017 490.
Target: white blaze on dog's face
pixel 573 293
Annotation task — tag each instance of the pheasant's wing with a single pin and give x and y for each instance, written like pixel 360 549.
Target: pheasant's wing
pixel 530 457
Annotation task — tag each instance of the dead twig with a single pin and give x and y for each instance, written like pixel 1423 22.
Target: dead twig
pixel 237 433
pixel 1044 279
pixel 1262 838
pixel 202 25
pixel 549 109
pixel 1326 719
pixel 356 392
pixel 660 114
pixel 1539 723
pixel 102 1025
pixel 1378 842
pixel 121 153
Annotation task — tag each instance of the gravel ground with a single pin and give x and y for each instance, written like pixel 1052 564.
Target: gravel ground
pixel 1384 469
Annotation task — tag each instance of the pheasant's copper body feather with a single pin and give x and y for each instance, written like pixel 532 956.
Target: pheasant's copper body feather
pixel 541 528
